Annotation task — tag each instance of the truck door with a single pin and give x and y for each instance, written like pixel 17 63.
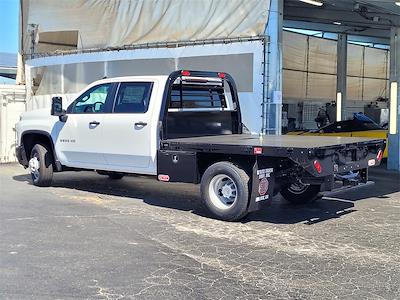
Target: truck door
pixel 80 139
pixel 130 131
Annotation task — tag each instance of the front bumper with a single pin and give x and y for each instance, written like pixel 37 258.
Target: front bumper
pixel 21 155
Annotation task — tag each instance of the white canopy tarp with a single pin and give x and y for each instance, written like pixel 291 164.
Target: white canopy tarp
pixel 105 23
pixel 66 75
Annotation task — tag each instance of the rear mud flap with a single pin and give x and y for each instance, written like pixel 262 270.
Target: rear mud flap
pixel 263 182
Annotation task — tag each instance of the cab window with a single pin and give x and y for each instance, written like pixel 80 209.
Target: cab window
pixel 133 97
pixel 92 101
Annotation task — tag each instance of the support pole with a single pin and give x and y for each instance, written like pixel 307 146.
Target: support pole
pixel 394 122
pixel 272 102
pixel 341 84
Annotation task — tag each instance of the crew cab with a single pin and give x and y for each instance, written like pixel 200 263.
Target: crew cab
pixel 187 127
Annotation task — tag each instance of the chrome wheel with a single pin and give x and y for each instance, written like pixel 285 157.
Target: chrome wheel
pixel 34 166
pixel 222 191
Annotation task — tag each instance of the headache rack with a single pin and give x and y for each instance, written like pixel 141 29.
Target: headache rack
pixel 188 94
pixel 195 103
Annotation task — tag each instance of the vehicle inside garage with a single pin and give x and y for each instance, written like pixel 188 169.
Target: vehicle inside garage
pixel 340 58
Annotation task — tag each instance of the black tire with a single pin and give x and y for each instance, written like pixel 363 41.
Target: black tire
pixel 303 195
pixel 44 175
pixel 235 182
pixel 115 176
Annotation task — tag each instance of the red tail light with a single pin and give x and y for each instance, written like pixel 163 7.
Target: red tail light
pixel 185 73
pixel 380 155
pixel 221 75
pixel 317 166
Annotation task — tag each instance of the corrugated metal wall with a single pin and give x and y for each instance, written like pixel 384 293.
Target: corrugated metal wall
pixel 309 65
pixel 12 104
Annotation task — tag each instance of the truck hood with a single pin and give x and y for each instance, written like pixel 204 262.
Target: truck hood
pixel 36 114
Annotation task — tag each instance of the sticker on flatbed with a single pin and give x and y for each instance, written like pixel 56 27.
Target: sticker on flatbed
pixel 257 150
pixel 262 198
pixel 264 173
pixel 263 186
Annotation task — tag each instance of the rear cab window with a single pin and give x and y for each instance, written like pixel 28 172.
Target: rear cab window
pixel 133 97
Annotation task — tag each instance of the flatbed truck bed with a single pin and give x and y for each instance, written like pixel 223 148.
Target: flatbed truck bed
pixel 313 162
pixel 332 154
pixel 269 143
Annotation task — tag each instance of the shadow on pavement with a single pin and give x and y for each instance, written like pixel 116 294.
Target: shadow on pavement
pixel 386 183
pixel 186 197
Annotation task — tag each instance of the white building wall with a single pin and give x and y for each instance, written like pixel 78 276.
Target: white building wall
pixel 12 104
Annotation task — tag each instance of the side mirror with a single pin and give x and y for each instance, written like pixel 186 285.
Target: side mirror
pixel 57 110
pixel 56 106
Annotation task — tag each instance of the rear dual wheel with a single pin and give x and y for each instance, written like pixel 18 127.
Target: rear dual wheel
pixel 299 193
pixel 225 191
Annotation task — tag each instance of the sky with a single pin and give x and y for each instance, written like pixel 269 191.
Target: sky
pixel 9 19
pixel 9 25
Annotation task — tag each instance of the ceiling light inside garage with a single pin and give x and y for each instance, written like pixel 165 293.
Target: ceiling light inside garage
pixel 397 3
pixel 313 2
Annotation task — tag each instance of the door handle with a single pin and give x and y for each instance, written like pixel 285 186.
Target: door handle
pixel 94 123
pixel 141 124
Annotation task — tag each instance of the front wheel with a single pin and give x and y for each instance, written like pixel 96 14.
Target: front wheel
pixel 41 165
pixel 225 191
pixel 299 193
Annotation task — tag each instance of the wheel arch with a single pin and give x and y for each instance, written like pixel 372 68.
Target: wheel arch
pixel 205 160
pixel 31 137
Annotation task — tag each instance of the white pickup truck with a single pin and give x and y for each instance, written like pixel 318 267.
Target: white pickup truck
pixel 186 127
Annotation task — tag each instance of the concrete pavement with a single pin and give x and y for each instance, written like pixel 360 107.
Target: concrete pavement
pixel 88 237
